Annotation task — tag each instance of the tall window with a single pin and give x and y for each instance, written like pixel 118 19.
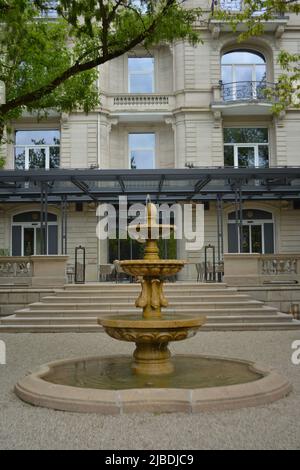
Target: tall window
pixel 243 75
pixel 49 9
pixel 37 149
pixel 236 5
pixel 246 147
pixel 141 151
pixel 257 232
pixel 27 237
pixel 140 75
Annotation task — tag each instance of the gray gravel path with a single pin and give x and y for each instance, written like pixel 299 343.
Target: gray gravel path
pixel 22 426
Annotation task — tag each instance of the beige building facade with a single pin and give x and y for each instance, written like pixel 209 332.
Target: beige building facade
pixel 175 106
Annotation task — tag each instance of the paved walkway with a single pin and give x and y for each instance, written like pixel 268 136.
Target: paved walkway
pixel 22 426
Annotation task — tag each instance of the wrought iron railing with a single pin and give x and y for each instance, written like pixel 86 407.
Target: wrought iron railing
pixel 236 6
pixel 227 5
pixel 248 90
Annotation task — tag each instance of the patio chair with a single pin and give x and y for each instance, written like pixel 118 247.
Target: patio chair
pixel 200 271
pixel 105 272
pixel 118 271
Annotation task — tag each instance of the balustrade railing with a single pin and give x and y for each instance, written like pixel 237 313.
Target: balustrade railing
pixel 141 100
pixel 275 265
pixel 15 267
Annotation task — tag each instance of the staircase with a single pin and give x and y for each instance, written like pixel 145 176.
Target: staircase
pixel 76 308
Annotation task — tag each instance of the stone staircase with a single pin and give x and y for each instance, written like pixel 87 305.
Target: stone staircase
pixel 76 308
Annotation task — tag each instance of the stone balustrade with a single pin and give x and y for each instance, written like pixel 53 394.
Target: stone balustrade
pixel 33 271
pixel 258 269
pixel 16 267
pixel 129 101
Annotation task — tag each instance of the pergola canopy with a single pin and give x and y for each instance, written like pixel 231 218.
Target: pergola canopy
pixel 165 185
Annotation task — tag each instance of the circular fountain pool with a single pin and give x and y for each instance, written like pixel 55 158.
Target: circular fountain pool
pixel 107 385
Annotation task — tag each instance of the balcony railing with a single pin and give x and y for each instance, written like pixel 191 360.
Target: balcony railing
pixel 246 91
pixel 141 100
pixel 236 6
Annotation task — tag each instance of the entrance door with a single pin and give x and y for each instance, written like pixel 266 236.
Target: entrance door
pixel 27 235
pixel 28 241
pixel 257 232
pixel 252 239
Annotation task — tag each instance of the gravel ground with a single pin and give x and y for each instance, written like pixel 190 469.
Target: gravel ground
pixel 22 426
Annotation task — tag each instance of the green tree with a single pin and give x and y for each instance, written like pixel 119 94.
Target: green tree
pixel 51 63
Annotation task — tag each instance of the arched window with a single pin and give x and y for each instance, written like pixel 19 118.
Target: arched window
pixel 243 75
pixel 257 232
pixel 26 232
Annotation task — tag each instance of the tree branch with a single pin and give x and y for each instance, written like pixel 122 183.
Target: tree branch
pixel 35 95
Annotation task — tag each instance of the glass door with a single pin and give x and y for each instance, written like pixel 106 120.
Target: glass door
pixel 252 239
pixel 256 239
pixel 28 241
pixel 245 157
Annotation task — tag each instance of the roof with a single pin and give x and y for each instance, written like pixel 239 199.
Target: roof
pixel 162 184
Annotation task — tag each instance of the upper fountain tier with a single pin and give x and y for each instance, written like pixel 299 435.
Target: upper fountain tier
pixel 151 265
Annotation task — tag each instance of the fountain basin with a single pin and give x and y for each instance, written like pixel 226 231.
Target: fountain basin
pixel 106 385
pixel 151 336
pixel 154 268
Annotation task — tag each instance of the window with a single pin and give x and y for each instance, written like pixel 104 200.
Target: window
pixel 246 147
pixel 140 75
pixel 257 232
pixel 243 75
pixel 141 151
pixel 26 234
pixel 49 9
pixel 237 6
pixel 37 149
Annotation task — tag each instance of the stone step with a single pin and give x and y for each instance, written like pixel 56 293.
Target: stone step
pixel 131 299
pixel 251 326
pixel 121 306
pixel 131 285
pixel 51 320
pixel 27 312
pixel 133 293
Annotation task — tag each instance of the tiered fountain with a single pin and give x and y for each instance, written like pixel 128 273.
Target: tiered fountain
pixel 152 380
pixel 151 332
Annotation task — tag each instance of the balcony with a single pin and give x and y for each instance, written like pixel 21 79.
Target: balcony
pixel 140 106
pixel 240 98
pixel 276 24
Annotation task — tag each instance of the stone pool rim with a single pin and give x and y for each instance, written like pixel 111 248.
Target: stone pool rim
pixel 33 389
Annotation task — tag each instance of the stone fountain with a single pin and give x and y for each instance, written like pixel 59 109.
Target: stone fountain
pixel 151 380
pixel 150 331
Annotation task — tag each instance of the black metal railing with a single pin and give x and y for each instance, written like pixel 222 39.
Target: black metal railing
pixel 236 6
pixel 246 91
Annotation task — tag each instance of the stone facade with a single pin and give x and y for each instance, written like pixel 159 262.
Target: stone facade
pixel 186 113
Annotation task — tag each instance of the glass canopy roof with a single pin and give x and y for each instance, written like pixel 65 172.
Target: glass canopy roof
pixel 163 184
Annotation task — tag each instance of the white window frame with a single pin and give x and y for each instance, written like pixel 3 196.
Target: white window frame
pixel 141 73
pixel 250 144
pixel 35 226
pixel 251 223
pixel 35 147
pixel 153 149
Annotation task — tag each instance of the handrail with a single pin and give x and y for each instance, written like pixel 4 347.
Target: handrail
pixel 246 90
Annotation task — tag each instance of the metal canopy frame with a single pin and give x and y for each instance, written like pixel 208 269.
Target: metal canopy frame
pixel 167 185
pixel 62 186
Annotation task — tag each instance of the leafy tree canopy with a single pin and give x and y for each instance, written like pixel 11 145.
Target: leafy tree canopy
pixel 52 62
